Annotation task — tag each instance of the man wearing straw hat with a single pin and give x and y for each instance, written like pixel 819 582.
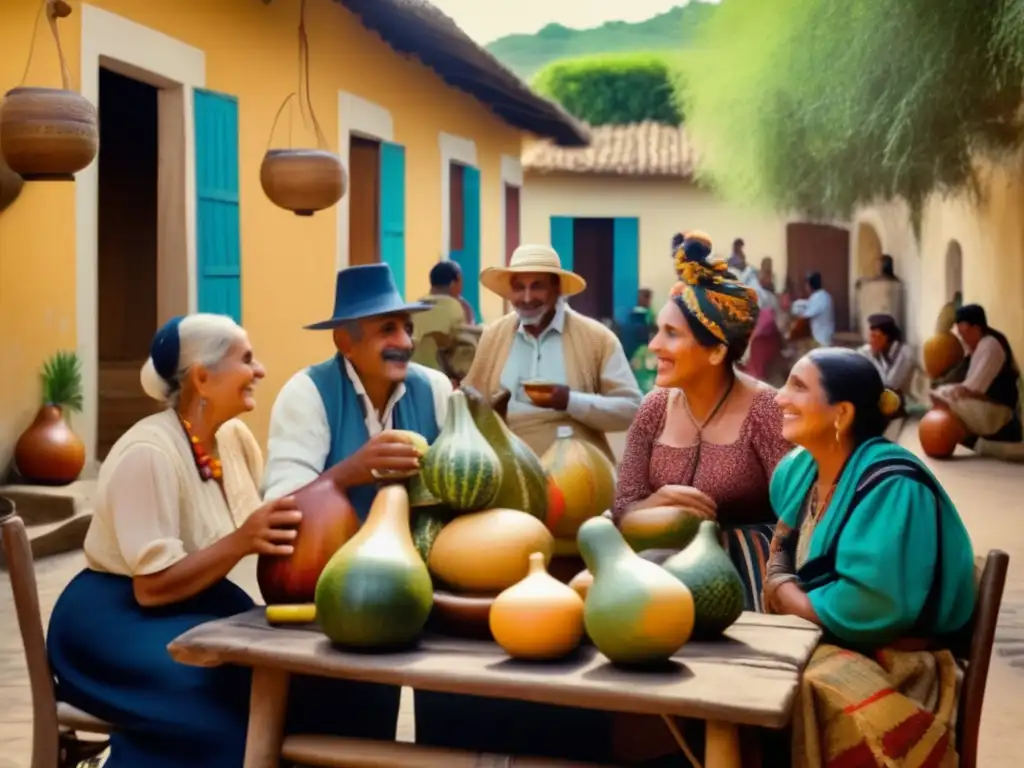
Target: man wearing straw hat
pixel 543 340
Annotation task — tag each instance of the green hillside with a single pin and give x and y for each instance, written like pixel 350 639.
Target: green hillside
pixel 672 30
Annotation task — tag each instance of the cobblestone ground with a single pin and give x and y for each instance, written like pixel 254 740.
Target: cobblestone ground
pixel 988 495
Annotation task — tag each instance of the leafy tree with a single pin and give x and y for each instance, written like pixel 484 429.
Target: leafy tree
pixel 616 89
pixel 821 106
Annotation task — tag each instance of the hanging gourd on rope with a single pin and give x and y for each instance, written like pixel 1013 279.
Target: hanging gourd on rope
pixel 303 181
pixel 48 134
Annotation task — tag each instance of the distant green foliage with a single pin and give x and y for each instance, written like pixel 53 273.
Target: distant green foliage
pixel 615 89
pixel 528 54
pixel 825 106
pixel 61 380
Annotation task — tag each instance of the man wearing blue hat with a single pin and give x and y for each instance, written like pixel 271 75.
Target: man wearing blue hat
pixel 332 417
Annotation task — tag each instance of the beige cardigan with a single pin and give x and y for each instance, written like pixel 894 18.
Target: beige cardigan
pixel 152 508
pixel 587 343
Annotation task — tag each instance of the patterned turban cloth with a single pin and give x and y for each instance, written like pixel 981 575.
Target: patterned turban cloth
pixel 708 293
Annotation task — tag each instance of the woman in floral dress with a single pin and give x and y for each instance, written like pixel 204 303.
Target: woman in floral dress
pixel 708 438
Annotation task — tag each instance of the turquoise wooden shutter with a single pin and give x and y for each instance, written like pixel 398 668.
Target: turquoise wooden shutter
pixel 392 210
pixel 626 267
pixel 469 259
pixel 562 239
pixel 218 223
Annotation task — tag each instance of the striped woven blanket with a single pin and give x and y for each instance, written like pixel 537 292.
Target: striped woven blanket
pixel 897 708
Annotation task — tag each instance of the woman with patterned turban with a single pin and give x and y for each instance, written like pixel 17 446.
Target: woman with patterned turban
pixel 708 437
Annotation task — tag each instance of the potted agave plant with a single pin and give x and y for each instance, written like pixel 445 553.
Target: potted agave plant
pixel 49 451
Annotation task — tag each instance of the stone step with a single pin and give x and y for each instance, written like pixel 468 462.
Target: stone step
pixel 56 517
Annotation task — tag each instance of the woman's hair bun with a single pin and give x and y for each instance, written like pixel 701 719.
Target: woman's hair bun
pixel 153 384
pixel 890 403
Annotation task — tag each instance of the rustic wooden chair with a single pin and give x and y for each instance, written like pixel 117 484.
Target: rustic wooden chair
pixel 55 724
pixel 975 649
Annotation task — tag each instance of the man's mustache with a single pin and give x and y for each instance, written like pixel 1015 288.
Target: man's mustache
pixel 393 355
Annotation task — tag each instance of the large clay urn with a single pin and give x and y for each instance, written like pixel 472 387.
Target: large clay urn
pixel 303 181
pixel 49 452
pixel 328 521
pixel 48 134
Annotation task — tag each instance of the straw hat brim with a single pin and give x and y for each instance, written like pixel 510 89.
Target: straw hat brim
pixel 498 279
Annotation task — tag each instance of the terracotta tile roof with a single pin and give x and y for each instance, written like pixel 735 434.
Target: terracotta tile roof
pixel 646 149
pixel 418 28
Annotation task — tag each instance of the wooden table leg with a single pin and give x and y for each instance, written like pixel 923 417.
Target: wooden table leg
pixel 721 745
pixel 268 705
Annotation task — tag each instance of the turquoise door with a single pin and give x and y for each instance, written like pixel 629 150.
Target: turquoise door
pixel 562 239
pixel 218 224
pixel 626 267
pixel 392 210
pixel 469 256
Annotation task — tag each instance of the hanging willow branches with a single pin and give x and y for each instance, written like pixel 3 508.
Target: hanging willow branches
pixel 823 105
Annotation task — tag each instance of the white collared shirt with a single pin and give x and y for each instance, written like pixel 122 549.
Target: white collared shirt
pixel 543 358
pixel 300 437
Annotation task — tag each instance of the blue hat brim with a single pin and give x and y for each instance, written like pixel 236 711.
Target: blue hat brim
pixel 334 322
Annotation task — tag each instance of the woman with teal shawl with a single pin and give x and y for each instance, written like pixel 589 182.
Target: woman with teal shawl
pixel 870 548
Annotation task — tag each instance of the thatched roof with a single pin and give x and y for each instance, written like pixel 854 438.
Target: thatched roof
pixel 418 28
pixel 648 149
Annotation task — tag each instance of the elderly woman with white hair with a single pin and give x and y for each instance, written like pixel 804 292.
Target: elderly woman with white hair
pixel 177 507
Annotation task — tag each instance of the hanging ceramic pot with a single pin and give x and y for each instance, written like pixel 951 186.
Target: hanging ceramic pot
pixel 303 181
pixel 49 134
pixel 11 185
pixel 49 452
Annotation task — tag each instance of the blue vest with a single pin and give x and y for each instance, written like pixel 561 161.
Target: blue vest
pixel 346 418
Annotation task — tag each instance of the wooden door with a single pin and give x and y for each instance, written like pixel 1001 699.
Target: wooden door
pixel 593 260
pixel 513 228
pixel 512 221
pixel 364 161
pixel 824 249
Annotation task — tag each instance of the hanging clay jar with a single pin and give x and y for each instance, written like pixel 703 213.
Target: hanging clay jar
pixel 11 185
pixel 303 181
pixel 49 134
pixel 539 617
pixel 49 452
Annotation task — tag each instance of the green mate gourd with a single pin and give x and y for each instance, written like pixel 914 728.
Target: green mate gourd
pixel 461 469
pixel 635 612
pixel 376 592
pixel 427 523
pixel 707 571
pixel 524 483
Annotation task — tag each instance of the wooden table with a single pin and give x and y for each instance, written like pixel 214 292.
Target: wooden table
pixel 750 678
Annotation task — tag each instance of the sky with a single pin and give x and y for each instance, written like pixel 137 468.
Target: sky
pixel 487 20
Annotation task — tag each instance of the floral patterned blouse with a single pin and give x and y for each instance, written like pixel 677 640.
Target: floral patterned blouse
pixel 735 475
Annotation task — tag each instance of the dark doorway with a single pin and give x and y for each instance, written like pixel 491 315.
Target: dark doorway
pixel 594 261
pixel 824 249
pixel 364 201
pixel 127 251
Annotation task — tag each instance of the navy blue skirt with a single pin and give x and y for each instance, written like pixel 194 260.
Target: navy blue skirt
pixel 110 658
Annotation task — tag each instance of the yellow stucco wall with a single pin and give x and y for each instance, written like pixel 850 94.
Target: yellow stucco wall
pixel 664 207
pixel 990 237
pixel 288 262
pixel 37 242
